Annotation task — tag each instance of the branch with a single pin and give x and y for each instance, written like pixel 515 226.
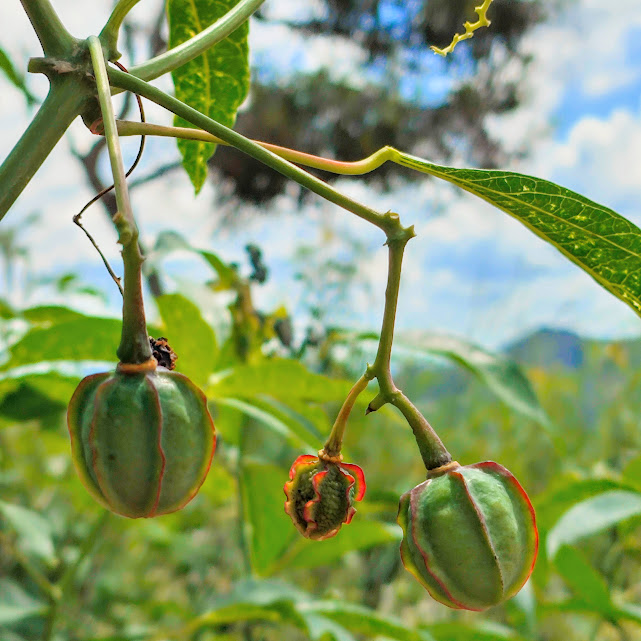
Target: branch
pixel 386 222
pixel 56 41
pixel 59 109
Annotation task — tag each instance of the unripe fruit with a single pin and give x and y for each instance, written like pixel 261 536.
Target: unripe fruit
pixel 320 495
pixel 469 535
pixel 142 439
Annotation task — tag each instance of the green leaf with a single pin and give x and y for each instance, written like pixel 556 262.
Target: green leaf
pixel 16 604
pixel 361 620
pixel 7 67
pixel 190 337
pixel 84 339
pixel 34 532
pixel 271 419
pixel 502 375
pixel 482 631
pixel 583 579
pixel 555 502
pixel 215 83
pixel 358 535
pixel 281 379
pixel 276 612
pixel 601 242
pixel 171 241
pixel 268 530
pixel 592 516
pixel 50 314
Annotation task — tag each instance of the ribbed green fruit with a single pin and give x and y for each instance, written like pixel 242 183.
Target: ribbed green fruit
pixel 142 439
pixel 469 535
pixel 321 495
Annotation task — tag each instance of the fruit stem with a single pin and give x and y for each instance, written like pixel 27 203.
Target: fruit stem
pixel 433 452
pixel 335 439
pixel 134 343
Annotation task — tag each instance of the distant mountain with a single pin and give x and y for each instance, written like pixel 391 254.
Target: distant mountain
pixel 546 347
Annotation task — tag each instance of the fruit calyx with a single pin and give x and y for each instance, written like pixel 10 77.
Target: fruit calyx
pixel 321 492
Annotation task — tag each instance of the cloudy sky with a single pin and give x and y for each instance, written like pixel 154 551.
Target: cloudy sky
pixel 472 270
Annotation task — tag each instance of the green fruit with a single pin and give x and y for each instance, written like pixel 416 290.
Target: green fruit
pixel 142 439
pixel 320 495
pixel 469 535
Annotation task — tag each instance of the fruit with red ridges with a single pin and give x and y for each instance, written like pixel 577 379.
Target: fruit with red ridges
pixel 469 535
pixel 142 439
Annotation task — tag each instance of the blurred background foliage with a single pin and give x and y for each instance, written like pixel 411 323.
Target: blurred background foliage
pixel 560 411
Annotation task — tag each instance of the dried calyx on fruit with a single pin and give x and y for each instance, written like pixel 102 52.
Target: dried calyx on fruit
pixel 321 492
pixel 469 534
pixel 142 438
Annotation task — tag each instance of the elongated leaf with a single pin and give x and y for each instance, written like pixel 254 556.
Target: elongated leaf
pixel 583 579
pixel 16 604
pixel 601 242
pixel 215 83
pixel 502 375
pixel 171 241
pixel 190 337
pixel 592 516
pixel 281 379
pixel 50 314
pixel 358 535
pixel 483 631
pixel 10 614
pixel 277 612
pixel 268 530
pixel 555 502
pixel 84 339
pixel 296 435
pixel 365 621
pixel 34 533
pixel 7 67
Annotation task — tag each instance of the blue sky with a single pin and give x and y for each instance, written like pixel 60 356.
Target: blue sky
pixel 471 270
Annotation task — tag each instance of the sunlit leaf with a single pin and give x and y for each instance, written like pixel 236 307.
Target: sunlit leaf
pixel 592 516
pixel 482 631
pixel 502 375
pixel 270 419
pixel 551 505
pixel 365 621
pixel 34 532
pixel 268 530
pixel 601 242
pixel 358 535
pixel 84 339
pixel 583 579
pixel 281 379
pixel 191 338
pixel 215 83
